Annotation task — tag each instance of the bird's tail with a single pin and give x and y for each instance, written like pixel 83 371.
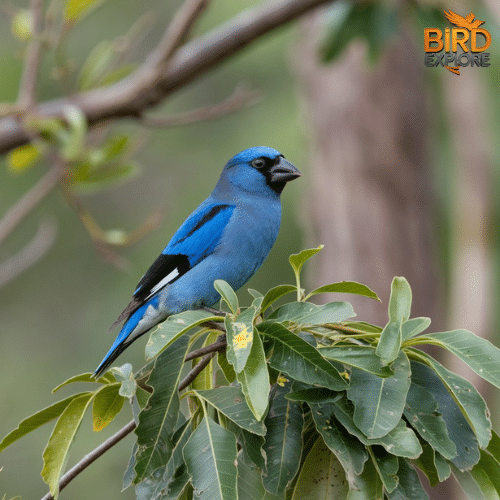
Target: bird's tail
pixel 135 326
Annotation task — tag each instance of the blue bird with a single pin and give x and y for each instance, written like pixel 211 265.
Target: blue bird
pixel 227 237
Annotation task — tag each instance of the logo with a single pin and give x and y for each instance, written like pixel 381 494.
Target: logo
pixel 460 46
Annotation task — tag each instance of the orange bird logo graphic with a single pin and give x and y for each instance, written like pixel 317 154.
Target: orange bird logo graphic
pixel 463 22
pixel 466 22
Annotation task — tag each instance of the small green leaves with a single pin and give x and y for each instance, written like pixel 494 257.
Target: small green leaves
pixel 107 404
pixel 297 260
pixel 399 312
pixel 228 295
pixel 240 335
pixel 56 453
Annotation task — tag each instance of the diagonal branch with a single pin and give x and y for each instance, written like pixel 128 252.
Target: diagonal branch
pixel 152 82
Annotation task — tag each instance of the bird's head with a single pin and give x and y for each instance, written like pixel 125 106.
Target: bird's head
pixel 260 170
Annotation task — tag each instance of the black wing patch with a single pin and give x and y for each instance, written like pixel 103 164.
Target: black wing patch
pixel 164 270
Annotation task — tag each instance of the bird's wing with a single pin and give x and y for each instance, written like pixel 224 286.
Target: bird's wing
pixel 194 240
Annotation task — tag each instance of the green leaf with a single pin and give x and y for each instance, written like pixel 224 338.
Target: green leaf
pixel 22 24
pixel 77 131
pixel 347 448
pixel 389 344
pixel 494 446
pixel 372 21
pixel 231 402
pixel 413 327
pixel 250 485
pixel 38 419
pixel 22 157
pixel 401 441
pixel 379 402
pixel 107 404
pixel 368 485
pixel 321 475
pixel 459 430
pixel 125 375
pixel 226 368
pixel 468 399
pixel 297 260
pixel 88 179
pixel 157 420
pixel 400 300
pixel 240 334
pixel 175 326
pixel 254 379
pixel 167 478
pixel 386 465
pixel 362 357
pixel 210 456
pixel 75 10
pixel 55 455
pixel 345 287
pixel 107 378
pixel 227 294
pixel 409 487
pixel 274 294
pixel 117 74
pixel 299 359
pixel 488 467
pixel 480 354
pixel 307 313
pixel 283 445
pixel 472 489
pixel 422 413
pixel 433 465
pixel 96 65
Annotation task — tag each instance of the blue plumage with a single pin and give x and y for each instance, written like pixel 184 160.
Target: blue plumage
pixel 227 237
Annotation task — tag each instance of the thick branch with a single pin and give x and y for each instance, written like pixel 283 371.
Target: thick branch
pixel 152 82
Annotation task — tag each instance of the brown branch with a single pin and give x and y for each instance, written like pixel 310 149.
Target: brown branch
pixel 220 345
pixel 152 82
pixel 238 100
pixel 30 200
pixel 30 254
pixel 27 87
pixel 93 456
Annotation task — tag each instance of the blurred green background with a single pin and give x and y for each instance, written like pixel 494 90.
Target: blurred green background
pixel 54 316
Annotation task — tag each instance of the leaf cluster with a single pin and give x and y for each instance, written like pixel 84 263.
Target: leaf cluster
pixel 303 403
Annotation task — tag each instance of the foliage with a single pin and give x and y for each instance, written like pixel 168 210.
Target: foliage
pixel 308 404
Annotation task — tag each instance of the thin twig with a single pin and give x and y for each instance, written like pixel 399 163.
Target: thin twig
pixel 238 100
pixel 198 368
pixel 218 346
pixel 31 199
pixel 30 254
pixel 27 88
pixel 150 83
pixel 93 456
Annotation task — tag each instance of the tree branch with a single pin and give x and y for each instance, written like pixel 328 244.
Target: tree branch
pixel 30 254
pixel 30 200
pixel 197 369
pixel 27 87
pixel 220 345
pixel 153 81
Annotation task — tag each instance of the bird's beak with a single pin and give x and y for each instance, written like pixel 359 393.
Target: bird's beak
pixel 283 171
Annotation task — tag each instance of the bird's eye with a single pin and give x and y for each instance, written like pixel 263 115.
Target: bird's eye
pixel 259 163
